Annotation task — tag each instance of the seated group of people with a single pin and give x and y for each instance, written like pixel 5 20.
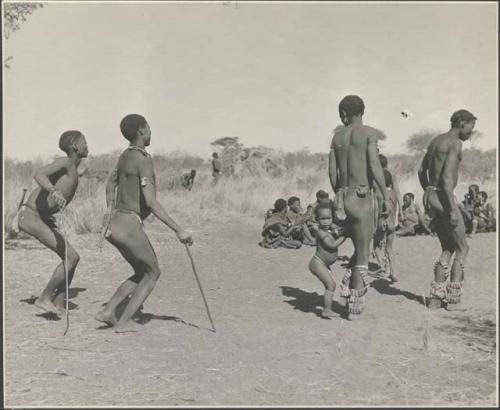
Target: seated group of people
pixel 479 215
pixel 412 221
pixel 288 226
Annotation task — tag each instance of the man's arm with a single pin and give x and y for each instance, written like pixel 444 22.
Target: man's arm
pixel 449 176
pixel 332 168
pixel 111 187
pixel 42 176
pixel 375 167
pixel 148 188
pixel 60 165
pixel 422 171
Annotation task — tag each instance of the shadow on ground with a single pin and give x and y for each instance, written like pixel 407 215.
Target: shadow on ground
pixel 384 287
pixel 309 302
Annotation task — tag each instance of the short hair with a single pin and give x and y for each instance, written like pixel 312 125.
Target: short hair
pixel 409 194
pixel 321 206
pixel 387 178
pixel 474 186
pixel 383 160
pixel 351 105
pixel 193 171
pixel 484 195
pixel 292 199
pixel 130 124
pixel 215 155
pixel 67 139
pixel 461 116
pixel 321 194
pixel 279 205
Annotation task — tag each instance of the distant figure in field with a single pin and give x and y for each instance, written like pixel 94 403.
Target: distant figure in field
pixel 386 228
pixel 299 219
pixel 395 183
pixel 187 179
pixel 131 197
pixel 471 200
pixel 216 167
pixel 438 176
pixel 40 215
pixel 327 242
pixel 413 220
pixel 354 166
pixel 484 213
pixel 277 229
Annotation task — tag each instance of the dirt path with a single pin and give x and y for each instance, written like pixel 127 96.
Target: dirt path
pixel 271 348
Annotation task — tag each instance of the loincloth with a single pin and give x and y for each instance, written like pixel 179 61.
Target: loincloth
pixel 51 220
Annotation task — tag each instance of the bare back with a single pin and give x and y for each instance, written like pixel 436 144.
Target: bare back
pixel 351 153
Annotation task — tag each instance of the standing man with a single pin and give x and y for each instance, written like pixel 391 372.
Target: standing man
pixel 354 166
pixel 438 176
pixel 131 197
pixel 216 167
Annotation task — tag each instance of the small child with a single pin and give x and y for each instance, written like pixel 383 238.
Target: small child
pixel 328 239
pixel 38 215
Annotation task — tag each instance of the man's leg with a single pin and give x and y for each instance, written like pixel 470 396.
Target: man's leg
pixel 31 223
pixel 144 261
pixel 360 218
pixel 454 289
pixel 438 285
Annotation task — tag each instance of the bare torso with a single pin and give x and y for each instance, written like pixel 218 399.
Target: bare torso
pixel 437 153
pixel 65 181
pixel 351 145
pixel 327 255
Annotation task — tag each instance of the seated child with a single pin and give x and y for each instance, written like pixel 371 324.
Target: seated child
pixel 299 219
pixel 327 242
pixel 277 229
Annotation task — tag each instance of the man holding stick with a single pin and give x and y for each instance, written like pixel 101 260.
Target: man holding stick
pixel 134 182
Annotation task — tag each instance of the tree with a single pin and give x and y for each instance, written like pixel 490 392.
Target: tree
pixel 14 15
pixel 417 143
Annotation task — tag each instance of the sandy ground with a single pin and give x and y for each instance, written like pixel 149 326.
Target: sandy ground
pixel 270 348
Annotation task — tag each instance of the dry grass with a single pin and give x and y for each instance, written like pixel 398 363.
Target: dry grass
pixel 247 195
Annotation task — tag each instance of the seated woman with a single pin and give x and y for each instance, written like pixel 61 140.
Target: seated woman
pixel 413 220
pixel 277 229
pixel 484 214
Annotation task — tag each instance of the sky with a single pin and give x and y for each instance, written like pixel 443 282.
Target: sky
pixel 270 73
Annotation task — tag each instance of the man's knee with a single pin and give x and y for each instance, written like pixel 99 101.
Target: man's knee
pixel 73 258
pixel 153 272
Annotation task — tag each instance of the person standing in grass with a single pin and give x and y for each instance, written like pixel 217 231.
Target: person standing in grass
pixel 40 215
pixel 354 167
pixel 438 176
pixel 133 184
pixel 187 179
pixel 216 167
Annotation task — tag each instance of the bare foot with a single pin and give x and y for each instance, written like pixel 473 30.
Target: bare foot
pixel 106 316
pixel 47 306
pixel 393 278
pixel 329 314
pixel 127 327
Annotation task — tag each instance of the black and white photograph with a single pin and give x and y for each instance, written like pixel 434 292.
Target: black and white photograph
pixel 250 204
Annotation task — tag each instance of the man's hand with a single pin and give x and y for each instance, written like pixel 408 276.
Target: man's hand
pixel 59 198
pixel 185 237
pixel 385 208
pixel 454 217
